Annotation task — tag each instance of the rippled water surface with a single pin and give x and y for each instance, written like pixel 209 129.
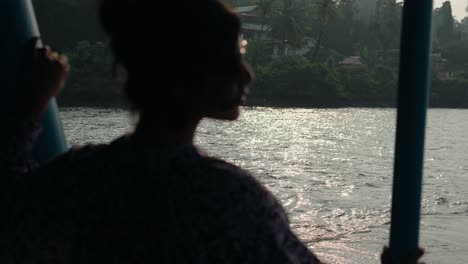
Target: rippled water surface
pixel 332 170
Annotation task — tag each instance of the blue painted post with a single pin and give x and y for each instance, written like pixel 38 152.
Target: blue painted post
pixel 17 26
pixel 411 122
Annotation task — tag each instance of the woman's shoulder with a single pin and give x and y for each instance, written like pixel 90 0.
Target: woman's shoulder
pixel 237 184
pixel 91 153
pixel 223 167
pixel 226 171
pixel 79 166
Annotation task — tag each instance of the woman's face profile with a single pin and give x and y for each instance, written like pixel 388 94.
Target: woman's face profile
pixel 227 85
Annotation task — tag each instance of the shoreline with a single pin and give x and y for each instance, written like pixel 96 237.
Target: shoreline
pixel 266 105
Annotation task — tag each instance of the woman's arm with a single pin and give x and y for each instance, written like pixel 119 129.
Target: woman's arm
pixel 45 75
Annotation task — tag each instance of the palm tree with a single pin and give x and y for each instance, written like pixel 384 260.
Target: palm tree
pixel 386 25
pixel 325 10
pixel 266 9
pixel 291 22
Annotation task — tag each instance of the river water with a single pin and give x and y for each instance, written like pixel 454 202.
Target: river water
pixel 332 170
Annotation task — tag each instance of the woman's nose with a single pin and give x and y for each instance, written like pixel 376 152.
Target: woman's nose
pixel 246 74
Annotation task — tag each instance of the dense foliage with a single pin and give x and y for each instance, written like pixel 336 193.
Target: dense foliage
pixel 339 28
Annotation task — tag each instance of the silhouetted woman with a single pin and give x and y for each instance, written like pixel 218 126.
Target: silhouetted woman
pixel 150 196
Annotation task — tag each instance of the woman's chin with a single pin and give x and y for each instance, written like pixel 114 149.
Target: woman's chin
pixel 228 115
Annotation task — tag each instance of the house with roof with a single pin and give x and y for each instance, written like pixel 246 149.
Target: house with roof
pixel 439 66
pixel 351 61
pixel 252 27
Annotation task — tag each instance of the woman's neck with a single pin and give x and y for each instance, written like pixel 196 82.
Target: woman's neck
pixel 166 131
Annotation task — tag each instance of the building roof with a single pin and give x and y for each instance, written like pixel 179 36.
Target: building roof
pixel 245 9
pixel 353 60
pixel 255 27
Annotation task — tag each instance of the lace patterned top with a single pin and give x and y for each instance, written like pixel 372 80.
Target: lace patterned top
pixel 127 202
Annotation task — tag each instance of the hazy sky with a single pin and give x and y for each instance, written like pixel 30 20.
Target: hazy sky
pixel 458 7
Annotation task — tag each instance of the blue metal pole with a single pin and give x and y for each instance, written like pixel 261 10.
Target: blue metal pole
pixel 411 122
pixel 17 26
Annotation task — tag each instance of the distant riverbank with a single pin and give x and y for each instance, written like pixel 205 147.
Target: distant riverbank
pixel 101 101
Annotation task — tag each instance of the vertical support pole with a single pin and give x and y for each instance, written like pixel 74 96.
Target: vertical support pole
pixel 411 122
pixel 17 26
